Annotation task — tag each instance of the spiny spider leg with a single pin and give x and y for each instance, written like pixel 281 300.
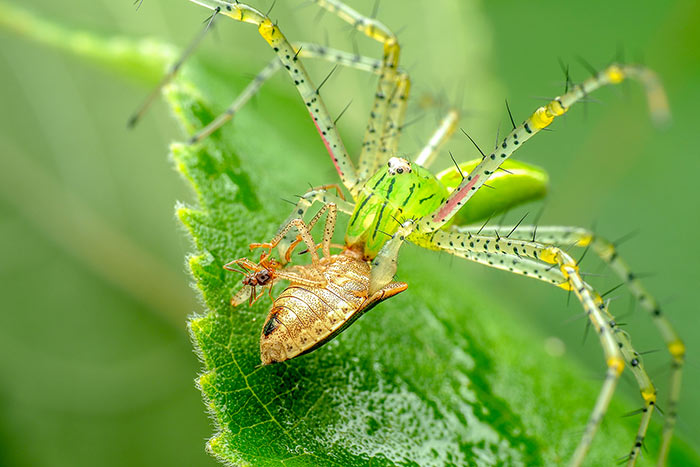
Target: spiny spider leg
pixel 606 250
pixel 393 124
pixel 540 119
pixel 305 234
pixel 393 85
pixel 616 345
pixel 329 228
pixel 303 50
pixel 442 134
pixel 321 195
pixel 172 71
pixel 309 93
pixel 499 245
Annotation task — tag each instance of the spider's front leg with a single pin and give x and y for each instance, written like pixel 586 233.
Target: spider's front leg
pixel 447 127
pixel 309 93
pixel 386 115
pixel 540 119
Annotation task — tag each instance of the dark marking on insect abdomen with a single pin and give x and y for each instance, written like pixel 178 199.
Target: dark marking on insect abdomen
pixel 271 324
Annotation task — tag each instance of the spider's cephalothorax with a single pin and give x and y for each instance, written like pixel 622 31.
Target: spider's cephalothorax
pixel 394 201
pixel 387 199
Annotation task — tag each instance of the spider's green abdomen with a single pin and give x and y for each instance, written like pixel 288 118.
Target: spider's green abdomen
pixel 389 198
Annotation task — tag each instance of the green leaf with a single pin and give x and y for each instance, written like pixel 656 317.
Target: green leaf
pixel 438 375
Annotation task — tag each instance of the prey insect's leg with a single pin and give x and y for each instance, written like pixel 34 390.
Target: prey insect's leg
pixel 321 195
pixel 447 127
pixel 616 344
pixel 303 50
pixel 388 83
pixel 607 252
pixel 540 119
pixel 309 94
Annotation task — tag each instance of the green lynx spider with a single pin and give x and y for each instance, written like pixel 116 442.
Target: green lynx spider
pixel 528 250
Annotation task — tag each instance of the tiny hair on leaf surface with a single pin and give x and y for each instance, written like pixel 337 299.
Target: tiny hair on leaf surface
pixel 438 375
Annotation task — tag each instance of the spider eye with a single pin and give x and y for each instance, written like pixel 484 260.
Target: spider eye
pixel 399 170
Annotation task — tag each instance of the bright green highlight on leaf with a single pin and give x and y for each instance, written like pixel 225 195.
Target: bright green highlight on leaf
pixel 437 375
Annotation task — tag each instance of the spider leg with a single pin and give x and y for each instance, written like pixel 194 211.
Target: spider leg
pixel 322 195
pixel 386 116
pixel 303 50
pixel 442 134
pixel 522 256
pixel 304 232
pixel 393 126
pixel 606 250
pixel 329 228
pixel 308 92
pixel 540 119
pixel 170 74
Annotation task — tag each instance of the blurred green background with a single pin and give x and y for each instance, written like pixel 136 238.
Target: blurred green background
pixel 96 363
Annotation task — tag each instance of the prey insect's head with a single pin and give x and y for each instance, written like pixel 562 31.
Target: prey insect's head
pixel 398 166
pixel 262 277
pixel 254 274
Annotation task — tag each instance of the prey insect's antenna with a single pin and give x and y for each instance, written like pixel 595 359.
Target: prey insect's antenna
pixel 134 119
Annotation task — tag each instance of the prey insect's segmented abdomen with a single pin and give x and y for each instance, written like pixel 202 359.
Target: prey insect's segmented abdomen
pixel 303 317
